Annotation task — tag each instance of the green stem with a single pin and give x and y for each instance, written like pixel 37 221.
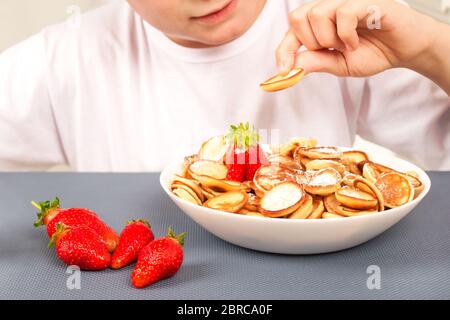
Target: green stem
pixel 37 206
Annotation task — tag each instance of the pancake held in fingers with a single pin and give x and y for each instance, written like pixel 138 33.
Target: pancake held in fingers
pixel 280 82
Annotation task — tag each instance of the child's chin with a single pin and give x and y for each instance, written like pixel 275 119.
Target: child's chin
pixel 221 38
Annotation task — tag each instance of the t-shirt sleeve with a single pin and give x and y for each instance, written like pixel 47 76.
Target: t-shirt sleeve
pixel 409 114
pixel 29 137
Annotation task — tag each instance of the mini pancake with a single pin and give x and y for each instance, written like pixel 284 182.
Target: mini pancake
pixel 348 178
pixel 194 185
pixel 318 208
pixel 280 82
pixel 304 210
pixel 349 212
pixel 219 185
pixel 189 190
pixel 268 176
pixel 231 201
pixel 330 202
pixel 302 160
pixel 285 162
pixel 213 149
pixel 416 183
pixel 252 202
pixel 323 182
pixel 282 200
pixel 370 172
pixel 208 168
pixel 396 189
pixel 367 186
pixel 321 152
pixel 356 199
pixel 183 194
pixel 318 164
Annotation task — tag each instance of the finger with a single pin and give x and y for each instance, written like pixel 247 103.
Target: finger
pixel 286 52
pixel 347 23
pixel 330 61
pixel 325 31
pixel 304 32
pixel 301 27
pixel 322 20
pixel 352 15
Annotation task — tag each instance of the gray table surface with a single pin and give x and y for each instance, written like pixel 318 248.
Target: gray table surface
pixel 413 256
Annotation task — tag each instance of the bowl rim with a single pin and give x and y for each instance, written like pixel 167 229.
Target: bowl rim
pixel 408 207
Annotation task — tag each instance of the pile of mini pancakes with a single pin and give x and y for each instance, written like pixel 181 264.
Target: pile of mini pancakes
pixel 302 181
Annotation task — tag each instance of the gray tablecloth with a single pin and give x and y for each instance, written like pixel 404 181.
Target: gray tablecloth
pixel 413 256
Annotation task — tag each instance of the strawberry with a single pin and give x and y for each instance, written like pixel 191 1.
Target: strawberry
pixel 135 236
pixel 80 246
pixel 160 259
pixel 245 155
pixel 51 214
pixel 235 161
pixel 75 217
pixel 256 158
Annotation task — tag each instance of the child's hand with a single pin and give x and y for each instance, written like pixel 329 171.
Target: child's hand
pixel 369 36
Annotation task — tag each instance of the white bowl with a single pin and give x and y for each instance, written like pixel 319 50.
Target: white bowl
pixel 288 236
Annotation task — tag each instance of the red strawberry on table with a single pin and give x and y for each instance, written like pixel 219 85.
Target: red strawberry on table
pixel 135 236
pixel 160 259
pixel 80 246
pixel 47 211
pixel 245 155
pixel 50 214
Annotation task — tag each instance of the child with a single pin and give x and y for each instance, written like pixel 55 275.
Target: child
pixel 135 86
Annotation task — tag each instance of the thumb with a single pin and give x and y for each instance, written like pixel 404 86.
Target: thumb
pixel 286 52
pixel 329 61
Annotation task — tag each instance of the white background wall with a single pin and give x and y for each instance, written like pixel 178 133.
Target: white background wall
pixel 440 9
pixel 21 18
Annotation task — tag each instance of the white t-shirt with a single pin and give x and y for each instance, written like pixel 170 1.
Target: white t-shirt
pixel 115 94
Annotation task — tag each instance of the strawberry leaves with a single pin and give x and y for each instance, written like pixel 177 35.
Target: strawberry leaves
pixel 44 208
pixel 178 237
pixel 242 136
